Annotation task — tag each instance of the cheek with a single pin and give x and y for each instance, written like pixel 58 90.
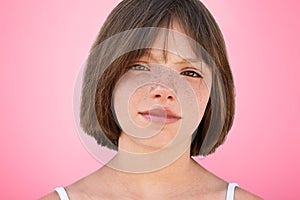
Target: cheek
pixel 202 94
pixel 140 94
pixel 139 101
pixel 136 98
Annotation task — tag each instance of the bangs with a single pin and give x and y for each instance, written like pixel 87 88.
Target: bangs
pixel 129 33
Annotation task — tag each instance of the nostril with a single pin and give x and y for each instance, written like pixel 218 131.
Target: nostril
pixel 161 93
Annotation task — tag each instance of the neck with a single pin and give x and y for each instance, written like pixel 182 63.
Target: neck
pixel 157 173
pixel 175 175
pixel 139 161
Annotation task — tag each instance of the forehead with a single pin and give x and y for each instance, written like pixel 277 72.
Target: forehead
pixel 173 45
pixel 176 42
pixel 163 56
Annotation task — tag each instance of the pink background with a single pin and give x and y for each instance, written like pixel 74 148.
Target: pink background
pixel 43 44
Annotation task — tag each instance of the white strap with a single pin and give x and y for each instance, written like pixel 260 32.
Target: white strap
pixel 62 193
pixel 230 191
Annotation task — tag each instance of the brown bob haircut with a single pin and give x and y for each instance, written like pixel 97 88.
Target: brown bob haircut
pixel 96 113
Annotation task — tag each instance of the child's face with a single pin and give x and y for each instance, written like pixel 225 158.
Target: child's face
pixel 162 98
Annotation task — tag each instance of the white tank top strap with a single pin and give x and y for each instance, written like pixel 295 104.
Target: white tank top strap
pixel 230 191
pixel 62 193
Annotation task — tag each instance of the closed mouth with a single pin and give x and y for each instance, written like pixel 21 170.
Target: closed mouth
pixel 160 116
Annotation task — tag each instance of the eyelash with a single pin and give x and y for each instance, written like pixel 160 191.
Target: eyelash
pixel 191 74
pixel 139 67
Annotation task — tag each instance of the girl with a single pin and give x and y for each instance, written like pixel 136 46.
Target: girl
pixel 158 89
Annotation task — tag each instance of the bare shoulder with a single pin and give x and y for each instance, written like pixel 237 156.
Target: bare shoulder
pixel 51 196
pixel 91 186
pixel 241 194
pixel 220 187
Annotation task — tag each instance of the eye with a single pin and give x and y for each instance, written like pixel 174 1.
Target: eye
pixel 191 74
pixel 139 67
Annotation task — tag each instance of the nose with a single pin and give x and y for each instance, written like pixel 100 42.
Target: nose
pixel 161 94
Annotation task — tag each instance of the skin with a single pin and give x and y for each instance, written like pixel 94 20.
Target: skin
pixel 182 179
pixel 150 95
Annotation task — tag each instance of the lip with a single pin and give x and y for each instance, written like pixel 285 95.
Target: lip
pixel 160 115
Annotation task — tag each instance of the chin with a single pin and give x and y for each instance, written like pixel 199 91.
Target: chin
pixel 154 143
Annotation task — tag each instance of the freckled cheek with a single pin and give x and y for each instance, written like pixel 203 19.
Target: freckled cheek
pixel 134 101
pixel 202 96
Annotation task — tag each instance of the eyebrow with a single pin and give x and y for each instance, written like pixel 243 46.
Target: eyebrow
pixel 150 56
pixel 190 60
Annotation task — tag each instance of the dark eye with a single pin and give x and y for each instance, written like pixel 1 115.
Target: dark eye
pixel 139 67
pixel 191 74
